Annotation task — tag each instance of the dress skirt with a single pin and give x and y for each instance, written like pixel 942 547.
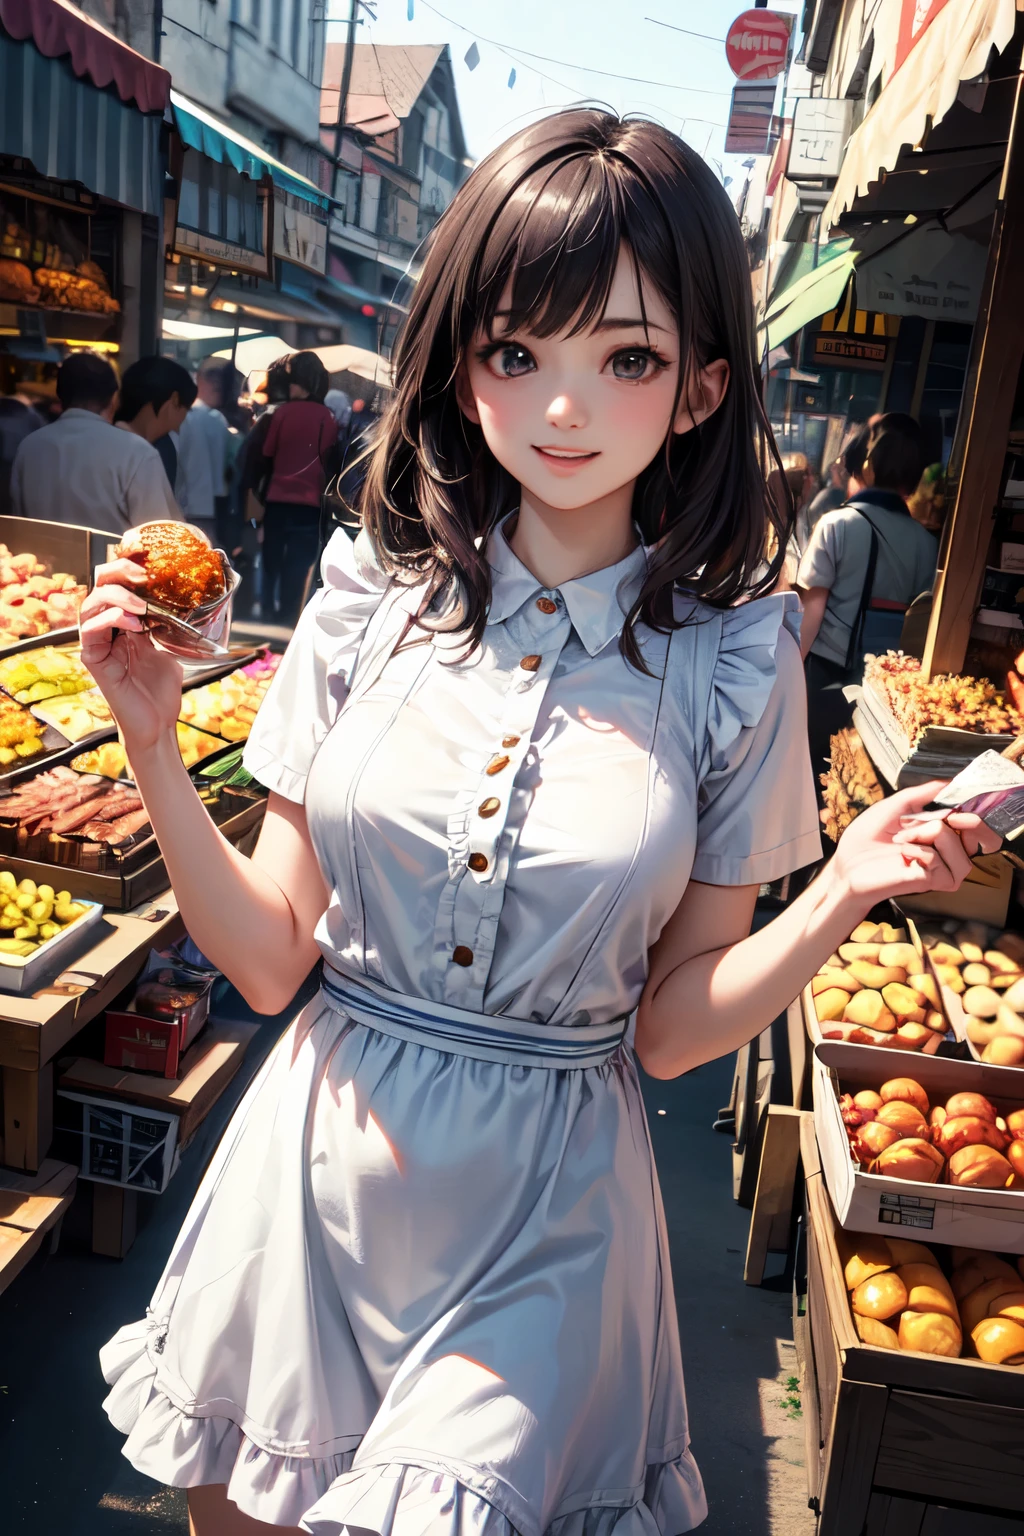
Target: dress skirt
pixel 423 1294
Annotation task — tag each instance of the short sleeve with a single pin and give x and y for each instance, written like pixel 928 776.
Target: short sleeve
pixel 757 810
pixel 312 681
pixel 820 558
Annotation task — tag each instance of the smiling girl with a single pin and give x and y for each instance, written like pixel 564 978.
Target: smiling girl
pixel 533 748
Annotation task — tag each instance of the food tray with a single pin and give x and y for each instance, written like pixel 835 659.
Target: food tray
pixel 33 642
pixel 128 882
pixel 992 1219
pixel 29 974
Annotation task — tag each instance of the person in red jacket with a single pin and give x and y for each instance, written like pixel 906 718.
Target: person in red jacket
pixel 298 453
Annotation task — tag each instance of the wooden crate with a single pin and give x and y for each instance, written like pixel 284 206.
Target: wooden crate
pixel 906 1444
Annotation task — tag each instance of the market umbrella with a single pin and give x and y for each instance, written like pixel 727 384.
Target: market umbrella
pixel 356 360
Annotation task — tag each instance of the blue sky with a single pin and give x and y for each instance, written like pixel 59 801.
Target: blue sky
pixel 692 79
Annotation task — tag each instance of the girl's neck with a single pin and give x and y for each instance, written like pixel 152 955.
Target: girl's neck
pixel 557 545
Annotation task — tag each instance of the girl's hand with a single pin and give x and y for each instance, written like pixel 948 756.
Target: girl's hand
pixel 141 684
pixel 877 857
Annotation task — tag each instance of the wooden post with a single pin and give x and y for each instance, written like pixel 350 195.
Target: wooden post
pixel 28 1116
pixel 114 1217
pixel 771 1218
pixel 983 426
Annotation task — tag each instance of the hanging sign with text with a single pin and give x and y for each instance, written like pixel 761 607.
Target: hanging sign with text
pixel 757 44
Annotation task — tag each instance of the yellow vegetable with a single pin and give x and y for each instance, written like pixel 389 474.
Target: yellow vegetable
pixel 21 947
pixel 67 911
pixel 27 931
pixel 48 930
pixel 24 900
pixel 27 888
pixel 8 884
pixel 44 892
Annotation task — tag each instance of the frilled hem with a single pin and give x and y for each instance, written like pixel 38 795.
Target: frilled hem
pixel 325 1496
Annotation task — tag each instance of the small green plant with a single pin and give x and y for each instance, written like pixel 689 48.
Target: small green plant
pixel 791 1402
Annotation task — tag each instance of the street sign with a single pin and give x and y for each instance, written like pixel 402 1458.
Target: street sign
pixel 757 43
pixel 821 127
pixel 751 126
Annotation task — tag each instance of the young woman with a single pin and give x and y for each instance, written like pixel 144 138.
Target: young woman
pixel 297 461
pixel 531 753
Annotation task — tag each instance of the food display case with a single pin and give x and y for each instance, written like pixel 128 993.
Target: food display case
pixel 61 260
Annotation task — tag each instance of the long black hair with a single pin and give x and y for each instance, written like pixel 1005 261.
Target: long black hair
pixel 544 219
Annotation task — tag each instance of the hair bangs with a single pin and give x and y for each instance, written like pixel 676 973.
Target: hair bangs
pixel 550 261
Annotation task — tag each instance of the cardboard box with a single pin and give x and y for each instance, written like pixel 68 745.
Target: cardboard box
pixel 868 1202
pixel 122 1143
pixel 137 1043
pixel 984 895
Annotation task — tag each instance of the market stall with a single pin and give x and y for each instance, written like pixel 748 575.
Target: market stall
pixel 87 922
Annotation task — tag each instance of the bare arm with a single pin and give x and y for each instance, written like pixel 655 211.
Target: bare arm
pixel 254 918
pixel 814 601
pixel 712 987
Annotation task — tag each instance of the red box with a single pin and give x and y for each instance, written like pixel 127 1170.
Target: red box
pixel 136 1043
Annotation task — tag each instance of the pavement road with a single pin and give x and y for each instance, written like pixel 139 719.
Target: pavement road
pixel 62 1471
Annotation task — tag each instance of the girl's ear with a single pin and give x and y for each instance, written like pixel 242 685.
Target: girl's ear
pixel 464 395
pixel 705 394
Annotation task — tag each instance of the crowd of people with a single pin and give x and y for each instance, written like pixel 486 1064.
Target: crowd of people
pixel 110 453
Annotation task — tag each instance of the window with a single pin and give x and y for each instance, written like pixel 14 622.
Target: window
pixel 276 24
pixel 215 200
pixel 255 14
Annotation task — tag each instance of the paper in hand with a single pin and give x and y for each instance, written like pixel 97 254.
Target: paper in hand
pixel 991 787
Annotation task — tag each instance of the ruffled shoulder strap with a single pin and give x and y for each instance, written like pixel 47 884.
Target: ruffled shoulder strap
pixel 736 671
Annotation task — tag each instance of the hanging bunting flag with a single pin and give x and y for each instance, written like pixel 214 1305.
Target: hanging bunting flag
pixel 511 79
pixel 472 56
pixel 410 6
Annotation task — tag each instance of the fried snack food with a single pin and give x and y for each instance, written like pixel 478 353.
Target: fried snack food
pixel 182 572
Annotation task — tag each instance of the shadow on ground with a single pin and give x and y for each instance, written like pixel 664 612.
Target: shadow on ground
pixel 62 1468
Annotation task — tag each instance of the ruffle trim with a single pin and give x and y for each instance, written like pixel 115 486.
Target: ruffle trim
pixel 745 670
pixel 325 1496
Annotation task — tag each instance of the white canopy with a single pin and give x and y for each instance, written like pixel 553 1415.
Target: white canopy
pixel 955 47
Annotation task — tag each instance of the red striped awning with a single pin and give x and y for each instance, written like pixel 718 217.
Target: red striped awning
pixel 59 31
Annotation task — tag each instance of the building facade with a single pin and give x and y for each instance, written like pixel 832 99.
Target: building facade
pixel 402 156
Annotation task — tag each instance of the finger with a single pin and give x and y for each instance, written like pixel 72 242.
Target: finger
pixel 103 625
pixel 975 834
pixel 113 596
pixel 906 801
pixel 120 570
pixel 940 876
pixel 921 830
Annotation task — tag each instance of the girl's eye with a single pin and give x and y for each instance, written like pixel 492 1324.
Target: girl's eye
pixel 511 361
pixel 635 364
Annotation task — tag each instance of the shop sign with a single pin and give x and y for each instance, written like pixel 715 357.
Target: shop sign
pixel 757 44
pixel 930 273
pixel 751 120
pixel 821 127
pixel 300 231
pixel 916 16
pixel 221 253
pixel 840 350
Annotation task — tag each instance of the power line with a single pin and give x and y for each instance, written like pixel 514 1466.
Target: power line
pixel 513 49
pixel 685 30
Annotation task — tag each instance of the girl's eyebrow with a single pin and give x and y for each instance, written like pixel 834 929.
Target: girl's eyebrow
pixel 626 325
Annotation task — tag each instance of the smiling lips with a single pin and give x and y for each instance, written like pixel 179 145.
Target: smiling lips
pixel 565 461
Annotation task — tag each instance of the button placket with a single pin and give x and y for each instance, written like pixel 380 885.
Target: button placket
pixel 477 892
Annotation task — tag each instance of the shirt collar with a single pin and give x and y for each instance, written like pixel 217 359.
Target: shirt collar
pixel 597 604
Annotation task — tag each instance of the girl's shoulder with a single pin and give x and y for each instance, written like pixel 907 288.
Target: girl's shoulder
pixel 725 665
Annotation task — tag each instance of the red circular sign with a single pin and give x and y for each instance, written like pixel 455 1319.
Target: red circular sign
pixel 757 43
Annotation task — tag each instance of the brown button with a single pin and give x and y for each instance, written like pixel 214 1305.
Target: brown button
pixel 546 605
pixel 489 807
pixel 496 764
pixel 510 741
pixel 478 862
pixel 461 955
pixel 530 663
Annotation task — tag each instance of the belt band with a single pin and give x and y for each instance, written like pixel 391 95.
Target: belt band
pixel 487 1037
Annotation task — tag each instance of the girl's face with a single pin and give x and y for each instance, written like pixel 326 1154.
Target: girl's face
pixel 576 418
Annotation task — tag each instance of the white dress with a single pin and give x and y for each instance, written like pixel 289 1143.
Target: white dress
pixel 424 1288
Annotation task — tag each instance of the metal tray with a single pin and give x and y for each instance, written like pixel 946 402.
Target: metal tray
pixel 31 973
pixel 138 879
pixel 35 642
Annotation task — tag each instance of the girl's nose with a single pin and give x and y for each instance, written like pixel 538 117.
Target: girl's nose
pixel 567 411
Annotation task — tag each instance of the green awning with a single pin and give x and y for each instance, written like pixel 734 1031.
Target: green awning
pixel 202 131
pixel 809 297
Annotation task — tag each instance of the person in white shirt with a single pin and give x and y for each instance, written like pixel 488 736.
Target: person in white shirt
pixel 203 445
pixel 82 469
